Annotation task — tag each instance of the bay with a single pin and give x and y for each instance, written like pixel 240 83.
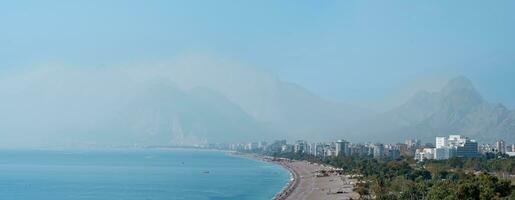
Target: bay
pixel 146 174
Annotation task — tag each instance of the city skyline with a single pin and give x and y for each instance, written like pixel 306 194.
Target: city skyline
pixel 410 147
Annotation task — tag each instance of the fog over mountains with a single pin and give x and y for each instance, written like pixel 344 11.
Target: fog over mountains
pixel 194 100
pixel 457 109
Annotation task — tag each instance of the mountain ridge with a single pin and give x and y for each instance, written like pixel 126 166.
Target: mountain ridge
pixel 456 109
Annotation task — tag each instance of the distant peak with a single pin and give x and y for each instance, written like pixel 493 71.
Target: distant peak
pixel 463 88
pixel 459 83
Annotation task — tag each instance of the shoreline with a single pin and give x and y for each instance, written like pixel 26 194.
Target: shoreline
pixel 310 181
pixel 291 186
pixel 292 183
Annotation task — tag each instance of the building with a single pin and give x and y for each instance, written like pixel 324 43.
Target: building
pixel 442 153
pixel 441 142
pixel 452 146
pixel 262 145
pixel 287 148
pixel 359 150
pixel 342 148
pixel 238 147
pixel 251 146
pixel 320 150
pixel 500 146
pixel 312 149
pixel 276 146
pixel 394 153
pixel 378 151
pixel 467 149
pixel 442 150
pixel 300 146
pixel 405 150
pixel 412 143
pixel 487 148
pixel 425 154
pixel 329 149
pixel 456 140
pixel 456 145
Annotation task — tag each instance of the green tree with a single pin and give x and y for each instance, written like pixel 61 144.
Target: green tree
pixel 444 190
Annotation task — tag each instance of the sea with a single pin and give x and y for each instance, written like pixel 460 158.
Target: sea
pixel 136 174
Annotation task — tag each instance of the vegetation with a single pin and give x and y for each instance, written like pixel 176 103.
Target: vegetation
pixel 456 178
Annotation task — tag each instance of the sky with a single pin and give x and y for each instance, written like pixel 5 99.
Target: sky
pixel 363 52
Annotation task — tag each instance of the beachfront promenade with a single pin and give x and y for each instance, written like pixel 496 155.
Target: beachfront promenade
pixel 308 186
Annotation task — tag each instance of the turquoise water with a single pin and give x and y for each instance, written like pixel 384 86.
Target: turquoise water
pixel 136 174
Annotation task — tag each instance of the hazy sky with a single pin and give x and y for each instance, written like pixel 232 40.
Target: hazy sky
pixel 347 50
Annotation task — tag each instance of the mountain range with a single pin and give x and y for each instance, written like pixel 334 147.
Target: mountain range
pixel 290 111
pixel 196 100
pixel 456 109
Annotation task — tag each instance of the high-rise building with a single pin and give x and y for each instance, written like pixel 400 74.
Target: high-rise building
pixel 454 145
pixel 276 146
pixel 468 149
pixel 461 146
pixel 403 149
pixel 300 146
pixel 500 146
pixel 262 145
pixel 441 142
pixel 412 143
pixel 379 151
pixel 359 149
pixel 287 148
pixel 342 148
pixel 312 149
pixel 320 150
pixel 442 153
pixel 251 146
pixel 394 153
pixel 455 140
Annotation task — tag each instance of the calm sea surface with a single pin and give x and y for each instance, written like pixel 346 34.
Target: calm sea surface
pixel 136 174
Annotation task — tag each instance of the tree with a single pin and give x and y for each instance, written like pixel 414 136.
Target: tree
pixel 491 187
pixel 363 189
pixel 443 190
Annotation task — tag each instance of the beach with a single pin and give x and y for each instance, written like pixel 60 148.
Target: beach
pixel 309 184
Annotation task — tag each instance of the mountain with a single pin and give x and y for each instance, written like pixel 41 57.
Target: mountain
pixel 62 106
pixel 190 101
pixel 194 100
pixel 288 108
pixel 456 109
pixel 164 115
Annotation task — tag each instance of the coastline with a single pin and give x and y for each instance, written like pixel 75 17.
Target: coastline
pixel 291 186
pixel 292 183
pixel 310 180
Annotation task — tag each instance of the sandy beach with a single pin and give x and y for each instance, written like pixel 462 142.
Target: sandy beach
pixel 307 184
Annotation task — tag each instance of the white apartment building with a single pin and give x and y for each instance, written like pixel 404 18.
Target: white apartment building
pixel 454 145
pixel 425 154
pixel 500 146
pixel 441 142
